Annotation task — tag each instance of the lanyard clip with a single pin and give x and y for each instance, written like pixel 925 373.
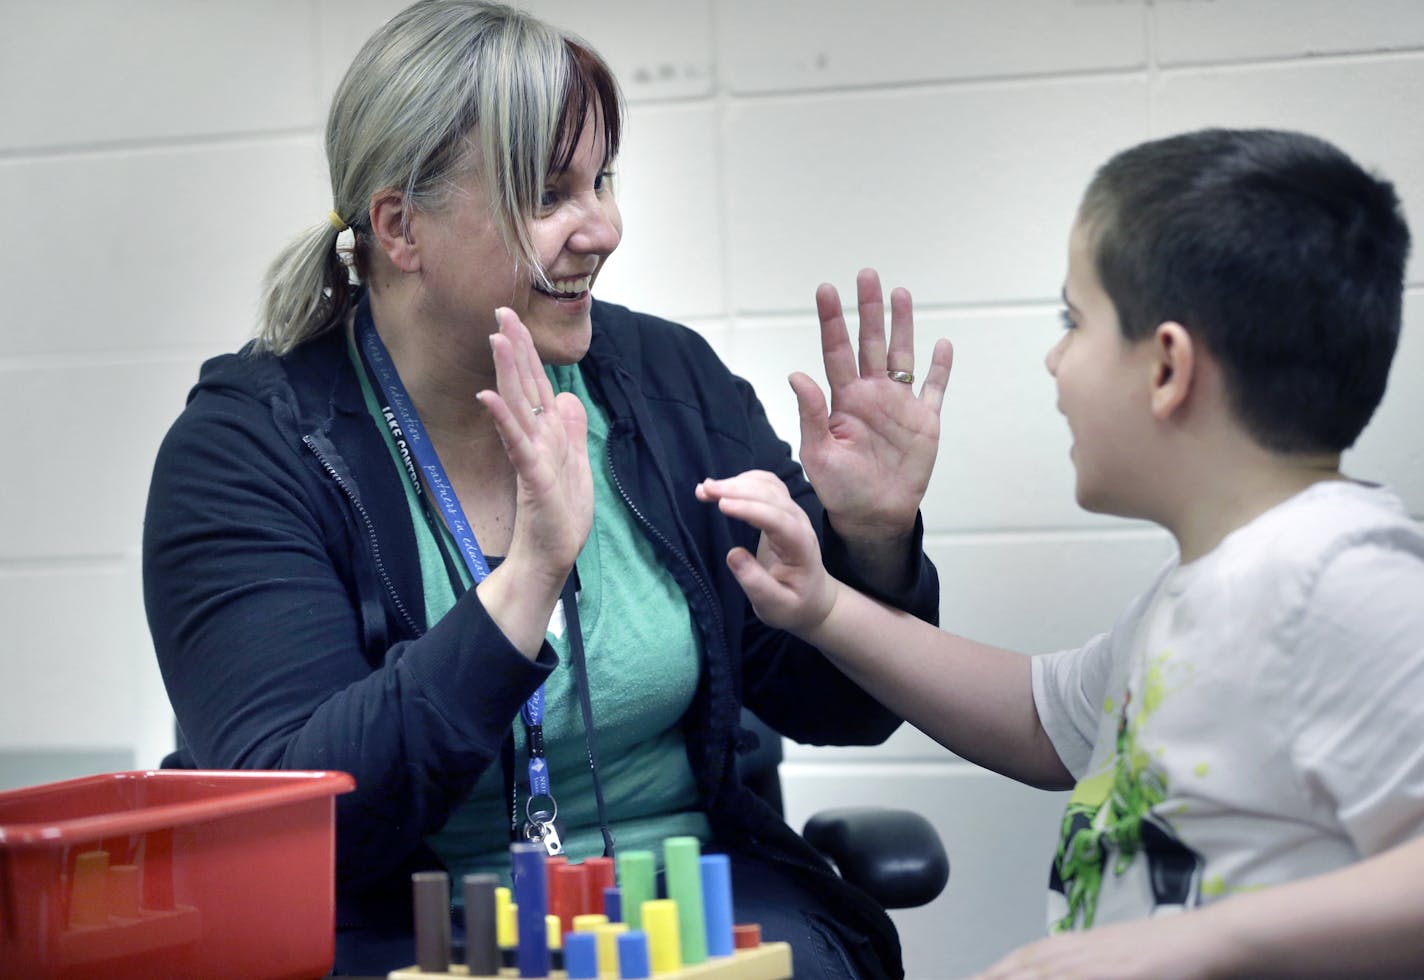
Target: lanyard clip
pixel 539 825
pixel 544 833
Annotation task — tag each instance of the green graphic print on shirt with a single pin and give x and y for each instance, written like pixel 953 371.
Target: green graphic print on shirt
pixel 1111 811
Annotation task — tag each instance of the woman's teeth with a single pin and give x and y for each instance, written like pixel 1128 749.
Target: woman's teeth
pixel 567 288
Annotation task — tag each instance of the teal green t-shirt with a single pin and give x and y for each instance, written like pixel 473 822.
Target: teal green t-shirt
pixel 643 658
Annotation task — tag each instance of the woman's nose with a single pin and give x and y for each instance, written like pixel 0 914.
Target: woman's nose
pixel 600 228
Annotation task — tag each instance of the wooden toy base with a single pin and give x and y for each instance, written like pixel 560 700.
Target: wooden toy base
pixel 769 961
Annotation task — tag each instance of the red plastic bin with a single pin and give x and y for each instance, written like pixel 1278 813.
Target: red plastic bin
pixel 170 873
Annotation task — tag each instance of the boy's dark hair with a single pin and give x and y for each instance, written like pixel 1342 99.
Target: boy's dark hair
pixel 1274 249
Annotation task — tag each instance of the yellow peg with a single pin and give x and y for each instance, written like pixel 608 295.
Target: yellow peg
pixel 664 946
pixel 608 934
pixel 506 921
pixel 589 921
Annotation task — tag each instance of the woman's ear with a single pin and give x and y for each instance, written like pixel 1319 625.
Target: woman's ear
pixel 1174 368
pixel 390 227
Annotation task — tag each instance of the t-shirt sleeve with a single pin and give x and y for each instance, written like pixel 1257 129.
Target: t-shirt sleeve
pixel 1359 682
pixel 1071 687
pixel 1068 691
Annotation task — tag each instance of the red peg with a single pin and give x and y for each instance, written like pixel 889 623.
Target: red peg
pixel 601 875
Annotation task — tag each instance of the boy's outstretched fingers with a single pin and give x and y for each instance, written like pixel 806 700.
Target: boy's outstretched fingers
pixel 761 499
pixel 785 580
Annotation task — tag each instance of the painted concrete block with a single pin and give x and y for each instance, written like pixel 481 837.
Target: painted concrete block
pixel 965 196
pixel 658 51
pixel 90 72
pixel 666 181
pixel 1193 32
pixel 69 679
pixel 32 767
pixel 169 245
pixel 84 482
pixel 1003 460
pixel 343 26
pixel 815 44
pixel 1038 593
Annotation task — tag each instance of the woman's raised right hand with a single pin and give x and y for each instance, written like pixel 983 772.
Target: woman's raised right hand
pixel 545 437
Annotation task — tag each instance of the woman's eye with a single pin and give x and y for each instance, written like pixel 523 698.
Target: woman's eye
pixel 603 180
pixel 1067 319
pixel 549 198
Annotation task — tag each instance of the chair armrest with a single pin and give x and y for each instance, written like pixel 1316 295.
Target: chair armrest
pixel 893 855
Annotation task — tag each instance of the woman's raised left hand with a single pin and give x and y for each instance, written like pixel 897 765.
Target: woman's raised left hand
pixel 871 454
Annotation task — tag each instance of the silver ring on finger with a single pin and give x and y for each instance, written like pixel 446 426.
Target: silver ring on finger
pixel 537 410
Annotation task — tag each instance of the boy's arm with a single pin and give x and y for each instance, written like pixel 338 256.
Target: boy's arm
pixel 975 700
pixel 1363 920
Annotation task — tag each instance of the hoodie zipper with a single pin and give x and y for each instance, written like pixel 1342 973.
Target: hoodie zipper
pixel 370 533
pixel 719 767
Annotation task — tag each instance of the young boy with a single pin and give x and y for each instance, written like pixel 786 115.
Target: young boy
pixel 1232 307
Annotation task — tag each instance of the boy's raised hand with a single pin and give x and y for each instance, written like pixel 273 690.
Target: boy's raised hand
pixel 788 586
pixel 871 454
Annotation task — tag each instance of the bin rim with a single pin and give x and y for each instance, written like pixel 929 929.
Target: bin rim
pixel 271 787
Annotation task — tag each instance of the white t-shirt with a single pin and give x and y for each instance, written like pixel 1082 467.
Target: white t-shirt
pixel 1256 716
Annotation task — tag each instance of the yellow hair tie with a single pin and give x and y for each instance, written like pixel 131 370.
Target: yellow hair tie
pixel 335 221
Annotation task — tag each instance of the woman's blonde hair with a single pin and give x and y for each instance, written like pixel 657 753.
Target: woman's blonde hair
pixel 443 84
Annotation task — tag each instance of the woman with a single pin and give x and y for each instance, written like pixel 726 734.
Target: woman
pixel 344 569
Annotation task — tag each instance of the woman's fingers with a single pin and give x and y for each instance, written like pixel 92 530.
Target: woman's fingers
pixel 507 381
pixel 575 420
pixel 872 358
pixel 526 411
pixel 836 352
pixel 524 369
pixel 937 378
pixel 901 355
pixel 870 307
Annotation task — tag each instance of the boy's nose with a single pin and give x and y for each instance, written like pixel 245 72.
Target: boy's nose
pixel 1054 355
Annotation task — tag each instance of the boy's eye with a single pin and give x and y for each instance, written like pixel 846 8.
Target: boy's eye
pixel 1067 319
pixel 549 198
pixel 602 180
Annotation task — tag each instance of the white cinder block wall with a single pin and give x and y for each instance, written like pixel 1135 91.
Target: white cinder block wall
pixel 155 154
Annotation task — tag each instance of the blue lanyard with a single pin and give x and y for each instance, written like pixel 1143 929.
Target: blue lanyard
pixel 398 403
pixel 437 483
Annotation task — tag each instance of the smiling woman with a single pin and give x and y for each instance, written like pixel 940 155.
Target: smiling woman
pixel 409 141
pixel 436 525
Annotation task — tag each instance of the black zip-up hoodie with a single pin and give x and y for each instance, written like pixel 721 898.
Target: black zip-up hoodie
pixel 285 600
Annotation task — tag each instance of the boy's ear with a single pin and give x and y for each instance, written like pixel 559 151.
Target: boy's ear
pixel 390 226
pixel 1174 368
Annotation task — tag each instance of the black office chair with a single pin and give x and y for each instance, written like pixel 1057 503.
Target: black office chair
pixel 893 855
